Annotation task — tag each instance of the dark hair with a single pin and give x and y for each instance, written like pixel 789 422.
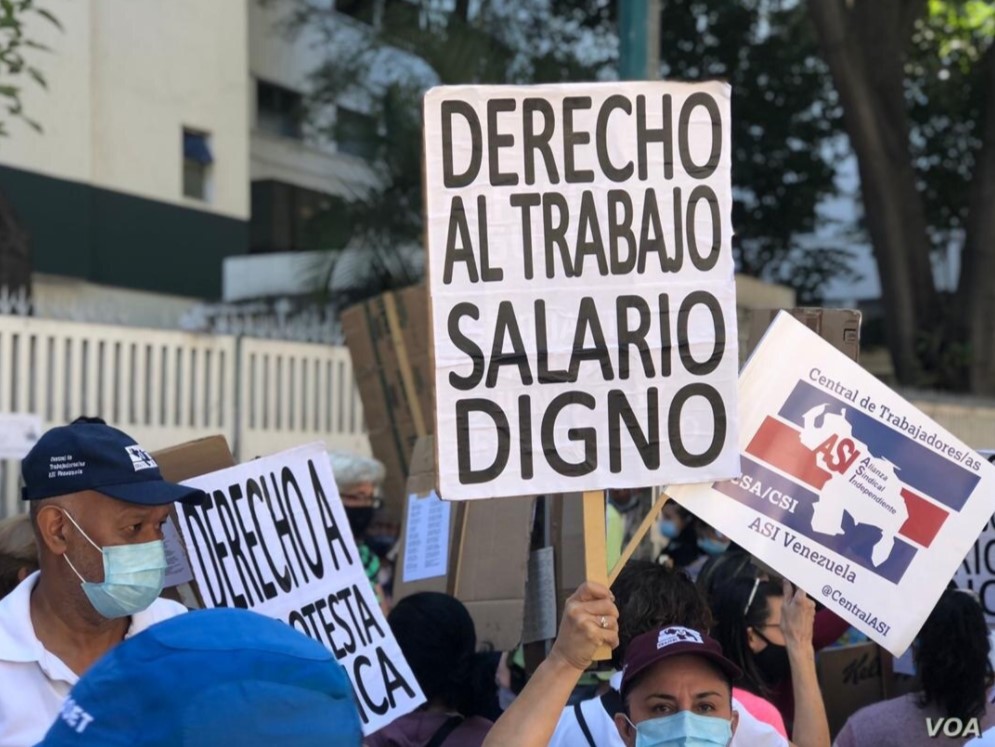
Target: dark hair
pixel 731 622
pixel 18 551
pixel 438 640
pixel 649 596
pixel 952 656
pixel 84 419
pixel 723 568
pixel 681 511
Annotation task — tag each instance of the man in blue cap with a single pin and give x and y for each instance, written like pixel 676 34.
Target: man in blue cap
pixel 97 505
pixel 212 677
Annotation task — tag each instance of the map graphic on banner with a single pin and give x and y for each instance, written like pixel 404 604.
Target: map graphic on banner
pixel 847 489
pixel 273 537
pixel 581 280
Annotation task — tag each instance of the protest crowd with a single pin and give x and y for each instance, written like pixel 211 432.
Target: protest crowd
pixel 591 500
pixel 707 646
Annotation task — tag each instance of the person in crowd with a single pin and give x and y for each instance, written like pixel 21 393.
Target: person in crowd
pixel 359 480
pixel 679 693
pixel 650 596
pixel 18 552
pixel 589 622
pixel 208 678
pixel 632 504
pixel 677 689
pixel 710 542
pixel 749 628
pixel 437 637
pixel 738 576
pixel 677 525
pixel 724 567
pixel 951 656
pixel 97 504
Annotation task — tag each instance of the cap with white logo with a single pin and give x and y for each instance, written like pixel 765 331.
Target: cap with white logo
pixel 88 454
pixel 673 640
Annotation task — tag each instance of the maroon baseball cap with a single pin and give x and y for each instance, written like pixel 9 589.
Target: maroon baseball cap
pixel 673 640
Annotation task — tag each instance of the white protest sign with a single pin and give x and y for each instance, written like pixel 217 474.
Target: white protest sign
pixel 273 537
pixel 581 279
pixel 977 572
pixel 426 538
pixel 18 433
pixel 847 489
pixel 178 570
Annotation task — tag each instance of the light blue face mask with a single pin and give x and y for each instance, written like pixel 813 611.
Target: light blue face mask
pixel 712 546
pixel 133 576
pixel 684 729
pixel 668 528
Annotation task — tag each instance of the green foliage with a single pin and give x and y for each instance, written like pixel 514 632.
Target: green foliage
pixel 14 65
pixel 785 128
pixel 945 94
pixel 785 116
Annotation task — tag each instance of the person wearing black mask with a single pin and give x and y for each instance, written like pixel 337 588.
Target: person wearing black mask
pixel 359 479
pixel 438 639
pixel 749 626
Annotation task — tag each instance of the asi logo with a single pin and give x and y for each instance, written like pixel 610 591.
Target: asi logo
pixel 829 472
pixel 140 459
pixel 677 634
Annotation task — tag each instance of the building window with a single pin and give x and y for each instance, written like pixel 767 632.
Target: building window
pixel 279 110
pixel 361 10
pixel 197 162
pixel 355 133
pixel 290 218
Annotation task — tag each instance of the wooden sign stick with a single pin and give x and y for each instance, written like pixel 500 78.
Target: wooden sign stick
pixel 641 531
pixel 595 553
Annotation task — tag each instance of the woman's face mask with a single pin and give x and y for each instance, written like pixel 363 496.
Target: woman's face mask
pixel 669 528
pixel 773 661
pixel 683 729
pixel 712 546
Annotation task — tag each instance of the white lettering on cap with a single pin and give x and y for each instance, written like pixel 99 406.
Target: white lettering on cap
pixel 677 634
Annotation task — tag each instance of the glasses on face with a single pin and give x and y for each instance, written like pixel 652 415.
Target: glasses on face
pixel 373 501
pixel 753 595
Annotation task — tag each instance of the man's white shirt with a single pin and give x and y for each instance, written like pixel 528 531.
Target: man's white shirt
pixel 750 732
pixel 33 681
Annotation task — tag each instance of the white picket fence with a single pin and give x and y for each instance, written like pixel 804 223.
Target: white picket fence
pixel 165 387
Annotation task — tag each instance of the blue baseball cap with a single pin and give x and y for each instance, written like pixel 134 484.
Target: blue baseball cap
pixel 212 677
pixel 88 454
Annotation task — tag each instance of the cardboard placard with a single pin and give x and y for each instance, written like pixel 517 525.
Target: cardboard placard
pixel 274 538
pixel 839 327
pixel 541 621
pixel 488 556
pixel 388 340
pixel 194 458
pixel 977 571
pixel 422 483
pixel 850 678
pixel 491 567
pixel 581 281
pixel 426 537
pixel 177 464
pixel 847 489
